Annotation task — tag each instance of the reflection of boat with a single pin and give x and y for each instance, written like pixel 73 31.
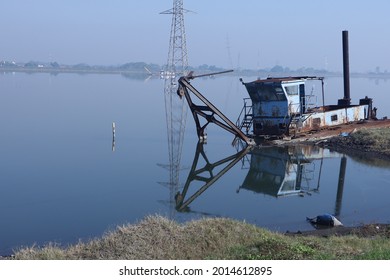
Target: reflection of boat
pixel 275 171
pixel 282 171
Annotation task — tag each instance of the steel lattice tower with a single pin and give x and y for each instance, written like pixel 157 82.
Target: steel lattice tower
pixel 177 54
pixel 175 107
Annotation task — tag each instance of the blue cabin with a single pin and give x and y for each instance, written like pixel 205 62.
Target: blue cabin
pixel 281 105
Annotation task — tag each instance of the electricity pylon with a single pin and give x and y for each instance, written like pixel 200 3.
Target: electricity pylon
pixel 177 54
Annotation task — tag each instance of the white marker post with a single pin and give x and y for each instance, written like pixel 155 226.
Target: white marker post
pixel 113 130
pixel 113 136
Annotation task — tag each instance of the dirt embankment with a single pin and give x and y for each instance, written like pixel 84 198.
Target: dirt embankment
pixel 370 138
pixel 368 143
pixel 366 231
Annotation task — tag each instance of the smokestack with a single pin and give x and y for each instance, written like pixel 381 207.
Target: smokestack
pixel 347 96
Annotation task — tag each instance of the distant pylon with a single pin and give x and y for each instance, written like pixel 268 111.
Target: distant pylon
pixel 177 55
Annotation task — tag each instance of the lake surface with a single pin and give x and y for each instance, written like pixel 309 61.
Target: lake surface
pixel 63 178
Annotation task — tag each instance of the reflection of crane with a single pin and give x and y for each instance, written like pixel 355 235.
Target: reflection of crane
pixel 176 112
pixel 206 174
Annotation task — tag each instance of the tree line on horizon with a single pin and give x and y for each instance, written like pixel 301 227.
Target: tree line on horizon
pixel 149 68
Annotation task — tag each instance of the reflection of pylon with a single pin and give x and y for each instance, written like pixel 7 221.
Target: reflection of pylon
pixel 176 116
pixel 176 111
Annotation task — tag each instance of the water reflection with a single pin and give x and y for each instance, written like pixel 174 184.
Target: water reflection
pixel 283 171
pixel 286 171
pixel 207 174
pixel 273 171
pixel 176 117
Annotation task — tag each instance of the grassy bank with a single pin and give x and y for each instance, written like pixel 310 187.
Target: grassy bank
pixel 375 139
pixel 156 238
pixel 367 140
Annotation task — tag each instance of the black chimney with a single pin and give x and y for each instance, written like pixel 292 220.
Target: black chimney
pixel 346 101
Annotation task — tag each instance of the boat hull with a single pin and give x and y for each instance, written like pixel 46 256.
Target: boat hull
pixel 316 119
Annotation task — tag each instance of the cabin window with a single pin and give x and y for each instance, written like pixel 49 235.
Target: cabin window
pixel 302 98
pixel 270 93
pixel 333 118
pixel 292 90
pixel 266 92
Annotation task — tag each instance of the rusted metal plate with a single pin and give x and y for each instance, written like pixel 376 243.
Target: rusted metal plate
pixel 335 117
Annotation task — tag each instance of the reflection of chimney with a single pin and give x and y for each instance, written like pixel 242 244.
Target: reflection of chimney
pixel 340 187
pixel 346 101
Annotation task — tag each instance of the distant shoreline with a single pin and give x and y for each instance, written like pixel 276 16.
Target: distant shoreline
pixel 153 69
pixel 70 70
pixel 158 73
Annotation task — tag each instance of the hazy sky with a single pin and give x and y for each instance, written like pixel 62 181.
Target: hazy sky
pixel 248 33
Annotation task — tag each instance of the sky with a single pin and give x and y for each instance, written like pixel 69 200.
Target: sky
pixel 249 34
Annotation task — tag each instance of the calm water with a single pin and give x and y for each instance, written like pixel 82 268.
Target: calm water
pixel 61 180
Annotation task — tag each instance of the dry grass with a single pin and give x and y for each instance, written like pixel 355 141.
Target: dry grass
pixel 373 139
pixel 157 238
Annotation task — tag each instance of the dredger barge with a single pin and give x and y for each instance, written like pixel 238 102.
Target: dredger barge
pixel 281 108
